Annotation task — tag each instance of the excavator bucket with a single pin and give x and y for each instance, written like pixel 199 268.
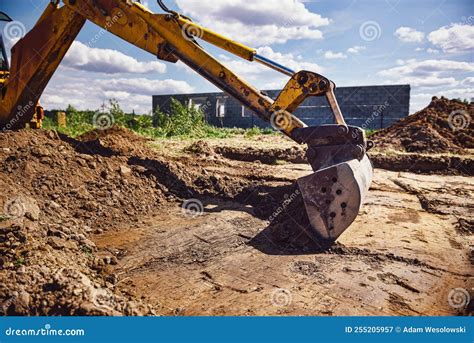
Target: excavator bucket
pixel 334 193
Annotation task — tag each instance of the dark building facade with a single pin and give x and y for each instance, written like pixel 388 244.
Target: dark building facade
pixel 371 107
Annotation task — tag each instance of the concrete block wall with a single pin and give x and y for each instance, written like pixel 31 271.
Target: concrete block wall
pixel 371 107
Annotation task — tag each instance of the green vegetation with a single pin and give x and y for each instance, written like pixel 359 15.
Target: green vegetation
pixel 19 262
pixel 183 122
pixel 369 132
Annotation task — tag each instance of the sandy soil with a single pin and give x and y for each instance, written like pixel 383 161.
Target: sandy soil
pixel 96 227
pixel 402 256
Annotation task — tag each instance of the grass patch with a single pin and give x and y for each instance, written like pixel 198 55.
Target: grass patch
pixel 183 122
pixel 369 132
pixel 19 262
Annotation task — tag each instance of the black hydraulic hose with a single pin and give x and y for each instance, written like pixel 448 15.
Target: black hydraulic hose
pixel 163 6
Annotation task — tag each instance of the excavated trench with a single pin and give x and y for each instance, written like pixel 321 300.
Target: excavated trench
pixel 96 225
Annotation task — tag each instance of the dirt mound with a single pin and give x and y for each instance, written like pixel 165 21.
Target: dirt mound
pixel 200 148
pixel 267 156
pixel 117 138
pixel 57 192
pixel 444 126
pixel 424 164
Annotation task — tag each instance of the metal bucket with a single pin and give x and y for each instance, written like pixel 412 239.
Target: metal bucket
pixel 334 195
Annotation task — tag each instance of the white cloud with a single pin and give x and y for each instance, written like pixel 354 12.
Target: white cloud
pixel 107 61
pixel 89 92
pixel 400 62
pixel 419 49
pixel 409 35
pixel 289 60
pixel 330 55
pixel 468 81
pixel 144 86
pixel 426 73
pixel 454 38
pixel 264 77
pixel 258 22
pixel 432 51
pixel 414 67
pixel 421 100
pixel 355 49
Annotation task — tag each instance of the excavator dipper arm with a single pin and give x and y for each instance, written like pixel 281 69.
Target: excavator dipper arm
pixel 333 194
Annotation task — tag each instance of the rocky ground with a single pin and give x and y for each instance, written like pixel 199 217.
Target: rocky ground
pixel 113 224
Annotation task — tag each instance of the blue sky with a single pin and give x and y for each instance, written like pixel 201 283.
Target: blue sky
pixel 428 44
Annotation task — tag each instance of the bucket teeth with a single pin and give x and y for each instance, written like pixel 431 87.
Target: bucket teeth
pixel 333 195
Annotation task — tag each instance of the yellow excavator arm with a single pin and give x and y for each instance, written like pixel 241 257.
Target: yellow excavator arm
pixel 337 153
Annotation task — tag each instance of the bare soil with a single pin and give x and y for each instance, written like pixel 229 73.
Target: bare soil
pixel 96 226
pixel 443 126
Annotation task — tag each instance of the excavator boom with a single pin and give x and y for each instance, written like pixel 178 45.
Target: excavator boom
pixel 333 194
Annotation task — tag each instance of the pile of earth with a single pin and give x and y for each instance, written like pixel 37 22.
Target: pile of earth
pixel 57 192
pixel 443 126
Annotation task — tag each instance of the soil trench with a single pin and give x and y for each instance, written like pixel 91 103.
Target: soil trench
pixel 115 224
pixel 397 259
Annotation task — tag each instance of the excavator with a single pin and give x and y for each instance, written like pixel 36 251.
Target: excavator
pixel 333 194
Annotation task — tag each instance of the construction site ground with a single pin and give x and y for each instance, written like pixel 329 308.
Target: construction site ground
pixel 99 229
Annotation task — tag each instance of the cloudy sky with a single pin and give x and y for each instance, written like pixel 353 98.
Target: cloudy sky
pixel 426 43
